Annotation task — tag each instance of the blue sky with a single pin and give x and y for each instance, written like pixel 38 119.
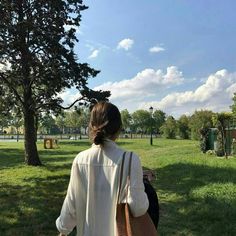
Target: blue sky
pixel 177 56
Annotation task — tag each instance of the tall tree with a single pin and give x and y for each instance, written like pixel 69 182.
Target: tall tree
pixel 158 119
pixel 200 120
pixel 183 127
pixel 233 106
pixel 84 119
pixel 37 40
pixel 221 121
pixel 141 120
pixel 126 119
pixel 61 122
pixel 73 121
pixel 169 128
pixel 47 122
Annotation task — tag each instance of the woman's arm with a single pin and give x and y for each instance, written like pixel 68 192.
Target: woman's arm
pixel 67 219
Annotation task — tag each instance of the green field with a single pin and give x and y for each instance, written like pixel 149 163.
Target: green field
pixel 197 192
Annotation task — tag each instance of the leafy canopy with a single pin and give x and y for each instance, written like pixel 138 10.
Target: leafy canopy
pixel 38 61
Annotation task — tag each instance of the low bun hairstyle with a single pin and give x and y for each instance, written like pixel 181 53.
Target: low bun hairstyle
pixel 105 122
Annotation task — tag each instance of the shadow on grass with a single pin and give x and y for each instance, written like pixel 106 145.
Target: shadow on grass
pixel 46 154
pixel 32 209
pixel 11 157
pixel 15 157
pixel 75 143
pixel 185 213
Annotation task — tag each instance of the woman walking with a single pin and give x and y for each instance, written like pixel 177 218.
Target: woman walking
pixel 92 195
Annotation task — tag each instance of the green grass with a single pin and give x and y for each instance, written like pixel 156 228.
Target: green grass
pixel 197 192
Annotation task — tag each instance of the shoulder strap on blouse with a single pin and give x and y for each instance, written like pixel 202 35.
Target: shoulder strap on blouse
pixel 129 176
pixel 121 175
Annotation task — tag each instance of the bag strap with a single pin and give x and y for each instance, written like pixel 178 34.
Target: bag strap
pixel 121 176
pixel 129 176
pixel 130 161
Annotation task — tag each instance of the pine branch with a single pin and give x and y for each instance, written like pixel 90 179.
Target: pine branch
pixel 11 87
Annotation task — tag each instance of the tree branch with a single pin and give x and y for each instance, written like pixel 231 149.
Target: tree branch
pixel 58 105
pixel 12 88
pixel 72 104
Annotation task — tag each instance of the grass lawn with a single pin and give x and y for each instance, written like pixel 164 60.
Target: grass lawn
pixel 197 192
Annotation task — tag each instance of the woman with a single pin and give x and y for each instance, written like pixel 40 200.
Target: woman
pixel 91 199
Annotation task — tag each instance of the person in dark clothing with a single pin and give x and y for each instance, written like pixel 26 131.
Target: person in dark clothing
pixel 153 209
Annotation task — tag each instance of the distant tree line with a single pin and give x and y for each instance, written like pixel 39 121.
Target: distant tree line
pixel 185 127
pixel 66 122
pixel 142 122
pixel 139 122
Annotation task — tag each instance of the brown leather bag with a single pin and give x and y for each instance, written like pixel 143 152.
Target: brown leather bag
pixel 127 225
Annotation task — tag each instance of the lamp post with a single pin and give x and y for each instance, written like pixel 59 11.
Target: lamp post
pixel 151 112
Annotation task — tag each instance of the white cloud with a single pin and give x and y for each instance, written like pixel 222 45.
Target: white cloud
pixel 94 54
pixel 231 90
pixel 215 94
pixel 156 49
pixel 68 97
pixel 145 84
pixel 148 86
pixel 125 44
pixel 89 46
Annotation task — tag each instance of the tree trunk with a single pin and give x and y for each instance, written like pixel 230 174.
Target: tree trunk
pixel 17 134
pixel 31 152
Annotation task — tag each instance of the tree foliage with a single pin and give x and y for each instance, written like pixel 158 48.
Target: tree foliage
pixel 158 120
pixel 38 61
pixel 60 121
pixel 47 123
pixel 221 121
pixel 141 120
pixel 233 106
pixel 126 119
pixel 200 119
pixel 183 127
pixel 169 128
pixel 73 121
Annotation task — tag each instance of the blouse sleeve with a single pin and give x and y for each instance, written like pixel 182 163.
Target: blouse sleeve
pixel 137 198
pixel 67 219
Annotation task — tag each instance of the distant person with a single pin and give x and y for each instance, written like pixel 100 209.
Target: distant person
pixel 91 199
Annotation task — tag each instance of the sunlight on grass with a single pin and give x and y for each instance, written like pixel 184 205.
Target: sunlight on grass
pixel 218 191
pixel 196 191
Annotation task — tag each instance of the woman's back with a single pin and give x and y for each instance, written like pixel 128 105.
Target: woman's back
pixel 99 176
pixel 92 194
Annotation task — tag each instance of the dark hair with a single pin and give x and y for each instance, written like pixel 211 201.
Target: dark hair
pixel 105 122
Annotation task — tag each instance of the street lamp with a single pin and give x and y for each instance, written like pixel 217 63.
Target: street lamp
pixel 151 112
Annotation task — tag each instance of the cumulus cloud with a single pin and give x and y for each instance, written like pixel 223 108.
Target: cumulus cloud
pixel 156 49
pixel 94 54
pixel 214 94
pixel 125 44
pixel 157 88
pixel 145 84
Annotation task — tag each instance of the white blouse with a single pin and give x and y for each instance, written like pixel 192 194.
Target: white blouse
pixel 91 199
